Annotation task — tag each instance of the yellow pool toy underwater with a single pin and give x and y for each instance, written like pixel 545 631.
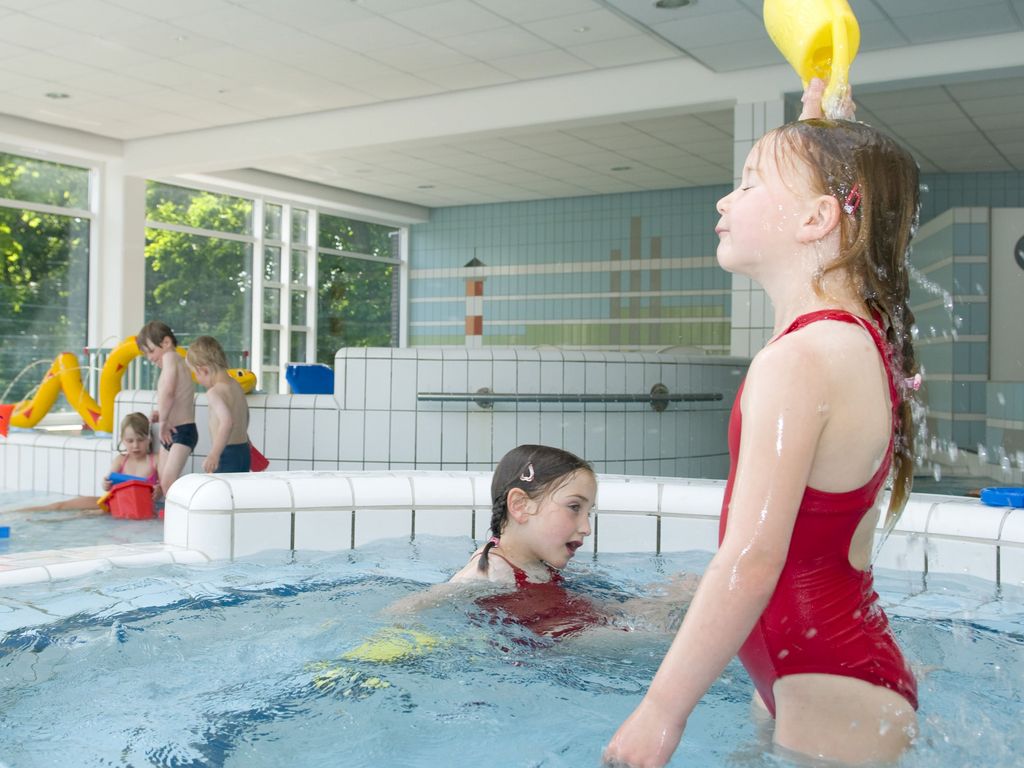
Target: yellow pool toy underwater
pixel 386 646
pixel 819 38
pixel 65 375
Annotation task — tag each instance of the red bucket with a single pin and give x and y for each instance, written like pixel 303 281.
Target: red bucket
pixel 132 500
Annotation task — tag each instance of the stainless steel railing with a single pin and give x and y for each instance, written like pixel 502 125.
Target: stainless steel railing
pixel 659 397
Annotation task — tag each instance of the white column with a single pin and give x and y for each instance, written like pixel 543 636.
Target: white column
pixel 752 313
pixel 118 270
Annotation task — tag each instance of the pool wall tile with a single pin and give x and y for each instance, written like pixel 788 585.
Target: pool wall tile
pixel 321 490
pixel 444 522
pixel 260 491
pixel 901 551
pixel 976 558
pixel 629 496
pixel 211 534
pixel 1011 565
pixel 301 434
pixel 961 519
pixel 329 530
pixel 17 576
pixel 59 571
pixel 254 531
pixel 383 490
pixel 443 491
pixel 683 534
pixel 373 524
pixel 626 533
pixel 1013 526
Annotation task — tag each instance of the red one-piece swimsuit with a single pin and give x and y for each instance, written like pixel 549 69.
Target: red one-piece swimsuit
pixel 546 608
pixel 824 615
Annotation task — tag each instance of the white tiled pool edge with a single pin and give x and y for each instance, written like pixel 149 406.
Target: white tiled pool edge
pixel 229 516
pixel 222 517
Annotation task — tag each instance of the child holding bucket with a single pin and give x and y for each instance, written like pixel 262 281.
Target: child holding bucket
pixel 229 412
pixel 822 219
pixel 137 462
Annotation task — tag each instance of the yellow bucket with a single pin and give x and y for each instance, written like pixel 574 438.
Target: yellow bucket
pixel 819 38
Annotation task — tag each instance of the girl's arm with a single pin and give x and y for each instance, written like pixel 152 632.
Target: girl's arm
pixel 782 422
pixel 115 465
pixel 219 408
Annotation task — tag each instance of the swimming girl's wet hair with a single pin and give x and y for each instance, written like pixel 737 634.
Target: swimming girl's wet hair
pixel 537 470
pixel 137 422
pixel 154 333
pixel 207 351
pixel 877 184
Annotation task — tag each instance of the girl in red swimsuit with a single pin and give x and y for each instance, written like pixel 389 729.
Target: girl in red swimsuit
pixel 822 220
pixel 542 498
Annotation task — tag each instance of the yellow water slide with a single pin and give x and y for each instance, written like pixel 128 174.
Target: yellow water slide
pixel 65 375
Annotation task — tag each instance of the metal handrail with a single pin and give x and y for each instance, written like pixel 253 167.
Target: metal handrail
pixel 659 397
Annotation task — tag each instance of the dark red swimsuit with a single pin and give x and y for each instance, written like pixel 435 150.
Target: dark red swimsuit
pixel 824 616
pixel 546 608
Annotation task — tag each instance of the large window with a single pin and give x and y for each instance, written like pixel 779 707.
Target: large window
pixel 357 278
pixel 45 218
pixel 199 253
pixel 275 282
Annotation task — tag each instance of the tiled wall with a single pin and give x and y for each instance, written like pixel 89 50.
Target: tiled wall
pixel 376 419
pixel 950 303
pixel 232 516
pixel 381 421
pixel 622 271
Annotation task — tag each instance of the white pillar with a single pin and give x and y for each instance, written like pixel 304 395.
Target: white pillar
pixel 752 314
pixel 118 273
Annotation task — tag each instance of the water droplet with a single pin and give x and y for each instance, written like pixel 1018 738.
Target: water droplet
pixel 937 472
pixel 810 633
pixel 954 451
pixel 982 453
pixel 1000 398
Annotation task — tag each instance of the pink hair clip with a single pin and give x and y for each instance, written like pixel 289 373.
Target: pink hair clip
pixel 528 475
pixel 852 202
pixel 494 540
pixel 914 382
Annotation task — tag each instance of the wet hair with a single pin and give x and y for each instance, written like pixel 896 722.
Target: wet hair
pixel 846 159
pixel 207 351
pixel 137 422
pixel 154 332
pixel 537 470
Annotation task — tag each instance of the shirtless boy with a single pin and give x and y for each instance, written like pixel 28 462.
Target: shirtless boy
pixel 229 413
pixel 175 400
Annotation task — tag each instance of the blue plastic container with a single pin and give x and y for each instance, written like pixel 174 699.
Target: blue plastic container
pixel 310 378
pixel 1003 497
pixel 5 531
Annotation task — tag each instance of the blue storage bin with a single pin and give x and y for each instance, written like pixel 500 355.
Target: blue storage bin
pixel 310 378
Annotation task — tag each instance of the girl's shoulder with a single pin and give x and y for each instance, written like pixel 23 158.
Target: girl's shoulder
pixel 498 571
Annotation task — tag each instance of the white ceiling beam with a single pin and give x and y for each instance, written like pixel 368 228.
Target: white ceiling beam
pixel 675 86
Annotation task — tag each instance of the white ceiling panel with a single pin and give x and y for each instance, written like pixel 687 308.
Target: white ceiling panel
pixel 139 69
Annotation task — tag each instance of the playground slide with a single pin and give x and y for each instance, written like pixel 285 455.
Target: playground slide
pixel 64 375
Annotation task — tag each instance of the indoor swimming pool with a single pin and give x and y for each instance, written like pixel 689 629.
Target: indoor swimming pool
pixel 242 664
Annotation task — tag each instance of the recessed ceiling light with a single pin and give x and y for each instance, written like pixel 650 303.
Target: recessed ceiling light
pixel 670 4
pixel 623 168
pixel 424 186
pixel 58 95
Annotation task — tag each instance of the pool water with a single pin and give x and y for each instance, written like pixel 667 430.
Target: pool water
pixel 240 664
pixel 58 529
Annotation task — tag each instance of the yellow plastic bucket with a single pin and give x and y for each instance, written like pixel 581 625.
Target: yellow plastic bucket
pixel 819 38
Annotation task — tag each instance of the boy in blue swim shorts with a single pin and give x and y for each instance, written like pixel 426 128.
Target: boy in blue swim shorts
pixel 229 413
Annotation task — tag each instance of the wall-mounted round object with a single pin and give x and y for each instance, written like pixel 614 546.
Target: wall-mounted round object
pixel 1018 252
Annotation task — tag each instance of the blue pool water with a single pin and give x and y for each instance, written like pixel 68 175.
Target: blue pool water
pixel 58 529
pixel 218 665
